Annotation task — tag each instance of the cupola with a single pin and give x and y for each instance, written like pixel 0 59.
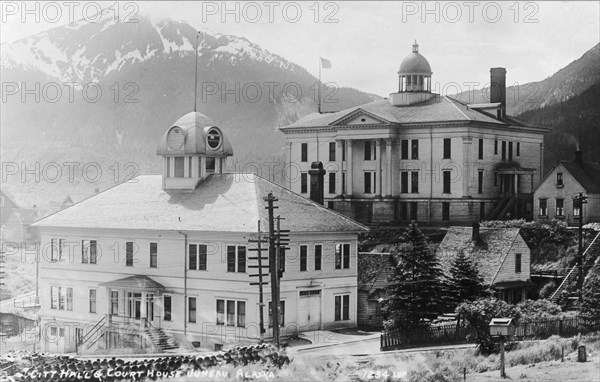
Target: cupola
pixel 414 80
pixel 192 149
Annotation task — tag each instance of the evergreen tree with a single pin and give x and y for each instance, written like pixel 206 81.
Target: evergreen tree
pixel 465 282
pixel 590 304
pixel 417 290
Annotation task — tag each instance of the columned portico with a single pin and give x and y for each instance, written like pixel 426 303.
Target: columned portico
pixel 378 168
pixel 349 168
pixel 339 188
pixel 390 172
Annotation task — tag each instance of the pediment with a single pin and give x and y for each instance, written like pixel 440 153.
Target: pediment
pixel 360 117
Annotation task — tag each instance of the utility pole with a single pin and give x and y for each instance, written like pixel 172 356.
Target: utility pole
pixel 273 269
pixel 578 202
pixel 260 275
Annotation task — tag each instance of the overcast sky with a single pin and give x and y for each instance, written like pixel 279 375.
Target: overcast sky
pixel 366 41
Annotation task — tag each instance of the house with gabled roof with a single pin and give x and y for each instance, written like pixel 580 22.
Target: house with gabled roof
pixel 421 156
pixel 375 269
pixel 169 254
pixel 554 196
pixel 501 255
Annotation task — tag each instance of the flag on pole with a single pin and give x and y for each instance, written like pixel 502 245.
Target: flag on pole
pixel 325 63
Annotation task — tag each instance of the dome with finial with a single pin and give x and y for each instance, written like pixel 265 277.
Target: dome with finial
pixel 415 63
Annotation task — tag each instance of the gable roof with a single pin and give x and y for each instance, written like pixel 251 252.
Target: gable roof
pixel 438 109
pixel 373 270
pixel 221 203
pixel 135 282
pixel 488 254
pixel 587 174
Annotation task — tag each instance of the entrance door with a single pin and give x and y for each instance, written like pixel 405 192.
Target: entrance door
pixel 309 310
pixel 150 307
pixel 134 303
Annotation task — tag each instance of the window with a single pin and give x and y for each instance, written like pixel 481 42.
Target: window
pixel 236 256
pixel 342 256
pixel 318 255
pixel 168 167
pixel 576 208
pixel 415 149
pixel 370 182
pixel 167 307
pixel 343 182
pixel 503 150
pixel 179 167
pixel 445 211
pixel 114 302
pixel 304 152
pixel 57 247
pixel 370 150
pixel 495 178
pixel 303 183
pixel 447 148
pixel 303 257
pixel 518 149
pixel 496 147
pixel 220 312
pixel 481 149
pixel 281 314
pixel 480 182
pixel 403 211
pixel 61 298
pixel 543 207
pixel 414 182
pixel 89 251
pixel 193 257
pixel 404 149
pixel 211 165
pixel 191 309
pixel 153 255
pixel 482 211
pixel 510 151
pixel 202 256
pixel 517 263
pixel 332 151
pixel 241 314
pixel 129 254
pixel 92 300
pixel 332 182
pixel 189 167
pixel 446 185
pixel 560 207
pixel 342 307
pixel 404 182
pixel 559 179
pixel 230 313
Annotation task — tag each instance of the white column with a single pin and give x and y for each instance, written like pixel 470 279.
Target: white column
pixel 378 168
pixel 339 164
pixel 390 172
pixel 467 168
pixel 349 168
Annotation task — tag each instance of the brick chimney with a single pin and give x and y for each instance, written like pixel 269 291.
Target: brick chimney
pixel 317 182
pixel 475 235
pixel 578 157
pixel 498 89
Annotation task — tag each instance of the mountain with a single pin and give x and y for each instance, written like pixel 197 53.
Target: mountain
pixel 105 92
pixel 563 85
pixel 574 124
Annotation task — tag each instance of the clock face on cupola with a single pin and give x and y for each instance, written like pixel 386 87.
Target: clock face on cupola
pixel 193 148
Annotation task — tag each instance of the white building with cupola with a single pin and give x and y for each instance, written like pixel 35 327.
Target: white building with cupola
pixel 417 155
pixel 164 261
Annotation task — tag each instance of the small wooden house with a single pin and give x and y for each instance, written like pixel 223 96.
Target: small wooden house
pixel 374 272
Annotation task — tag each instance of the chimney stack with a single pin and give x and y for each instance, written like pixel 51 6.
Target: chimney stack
pixel 317 182
pixel 498 89
pixel 475 235
pixel 578 157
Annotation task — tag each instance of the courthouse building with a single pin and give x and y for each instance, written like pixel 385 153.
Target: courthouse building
pixel 170 254
pixel 420 156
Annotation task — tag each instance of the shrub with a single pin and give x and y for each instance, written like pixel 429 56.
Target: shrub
pixel 533 310
pixel 547 289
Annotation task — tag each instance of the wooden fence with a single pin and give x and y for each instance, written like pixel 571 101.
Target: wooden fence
pixel 453 334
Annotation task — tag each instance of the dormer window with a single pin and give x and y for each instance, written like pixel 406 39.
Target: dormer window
pixel 213 138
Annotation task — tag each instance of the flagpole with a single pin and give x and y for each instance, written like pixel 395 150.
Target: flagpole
pixel 319 92
pixel 196 75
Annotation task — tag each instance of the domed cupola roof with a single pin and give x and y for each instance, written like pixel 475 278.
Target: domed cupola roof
pixel 415 63
pixel 194 134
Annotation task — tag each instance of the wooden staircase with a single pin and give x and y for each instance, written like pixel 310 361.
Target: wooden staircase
pixel 159 338
pixel 92 336
pixel 590 255
pixel 504 205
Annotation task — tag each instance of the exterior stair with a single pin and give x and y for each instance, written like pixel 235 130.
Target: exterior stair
pixel 159 339
pixel 590 255
pixel 503 206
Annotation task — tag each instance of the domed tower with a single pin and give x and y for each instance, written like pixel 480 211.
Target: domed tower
pixel 192 149
pixel 414 80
